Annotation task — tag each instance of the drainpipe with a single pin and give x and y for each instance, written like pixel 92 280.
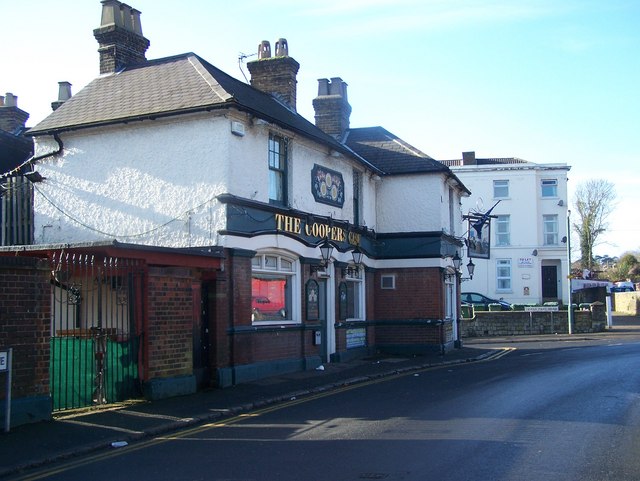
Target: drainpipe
pixel 39 157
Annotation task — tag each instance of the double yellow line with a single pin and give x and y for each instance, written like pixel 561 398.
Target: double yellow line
pixel 500 352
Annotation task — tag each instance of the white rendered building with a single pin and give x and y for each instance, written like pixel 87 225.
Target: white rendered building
pixel 528 250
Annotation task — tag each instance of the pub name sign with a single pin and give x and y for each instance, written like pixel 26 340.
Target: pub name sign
pixel 321 230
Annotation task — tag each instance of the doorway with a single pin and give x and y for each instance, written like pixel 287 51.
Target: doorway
pixel 549 283
pixel 324 324
pixel 201 339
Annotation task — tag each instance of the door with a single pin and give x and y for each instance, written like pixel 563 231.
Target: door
pixel 549 282
pixel 201 341
pixel 322 313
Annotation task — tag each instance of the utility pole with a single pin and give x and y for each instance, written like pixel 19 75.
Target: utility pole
pixel 570 307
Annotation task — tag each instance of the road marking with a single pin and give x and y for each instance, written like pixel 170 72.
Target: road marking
pixel 91 459
pixel 102 426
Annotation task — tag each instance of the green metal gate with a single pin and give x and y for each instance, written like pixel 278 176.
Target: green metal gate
pixel 94 331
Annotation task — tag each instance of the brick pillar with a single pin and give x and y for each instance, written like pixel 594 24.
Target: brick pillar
pixel 25 326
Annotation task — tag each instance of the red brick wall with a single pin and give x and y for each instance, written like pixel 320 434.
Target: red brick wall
pixel 170 322
pixel 25 313
pixel 411 335
pixel 267 344
pixel 418 294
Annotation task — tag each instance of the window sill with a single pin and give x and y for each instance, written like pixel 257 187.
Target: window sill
pixel 274 323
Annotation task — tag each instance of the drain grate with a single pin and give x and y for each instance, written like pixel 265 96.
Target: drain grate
pixel 373 475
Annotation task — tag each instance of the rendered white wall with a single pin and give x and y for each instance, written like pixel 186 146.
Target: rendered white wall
pixel 149 183
pixel 525 206
pixel 409 203
pixel 155 182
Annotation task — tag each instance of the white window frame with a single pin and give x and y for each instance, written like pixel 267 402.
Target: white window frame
pixel 392 277
pixel 498 185
pixel 259 265
pixel 503 230
pixel 356 277
pixel 504 277
pixel 278 168
pixel 549 188
pixel 550 230
pixel 357 197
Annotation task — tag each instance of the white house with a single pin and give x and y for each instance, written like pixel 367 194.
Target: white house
pixel 528 250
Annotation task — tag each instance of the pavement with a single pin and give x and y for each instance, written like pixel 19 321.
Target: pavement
pixel 78 433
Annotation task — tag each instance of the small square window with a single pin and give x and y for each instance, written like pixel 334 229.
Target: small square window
pixel 388 282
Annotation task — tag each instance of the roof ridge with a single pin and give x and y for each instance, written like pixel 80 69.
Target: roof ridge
pixel 215 86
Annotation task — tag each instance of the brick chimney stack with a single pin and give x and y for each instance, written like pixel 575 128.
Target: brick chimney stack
pixel 469 158
pixel 332 109
pixel 64 94
pixel 120 37
pixel 12 119
pixel 275 75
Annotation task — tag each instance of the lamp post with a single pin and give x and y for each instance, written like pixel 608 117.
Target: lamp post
pixel 570 307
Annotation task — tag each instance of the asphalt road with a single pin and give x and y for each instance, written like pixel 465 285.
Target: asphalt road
pixel 557 411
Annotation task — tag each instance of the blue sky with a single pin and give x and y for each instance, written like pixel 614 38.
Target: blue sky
pixel 549 81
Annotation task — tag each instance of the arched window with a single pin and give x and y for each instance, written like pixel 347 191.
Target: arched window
pixel 274 279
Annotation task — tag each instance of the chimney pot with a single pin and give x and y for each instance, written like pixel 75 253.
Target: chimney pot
pixel 1 100
pixel 282 48
pixel 64 91
pixel 127 21
pixel 264 49
pixel 64 94
pixel 135 19
pixel 10 100
pixel 338 87
pixel 323 86
pixel 111 13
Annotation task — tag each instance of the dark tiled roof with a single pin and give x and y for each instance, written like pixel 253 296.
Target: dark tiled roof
pixel 174 85
pixel 495 161
pixel 389 153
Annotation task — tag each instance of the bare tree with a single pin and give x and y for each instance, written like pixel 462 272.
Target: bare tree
pixel 594 200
